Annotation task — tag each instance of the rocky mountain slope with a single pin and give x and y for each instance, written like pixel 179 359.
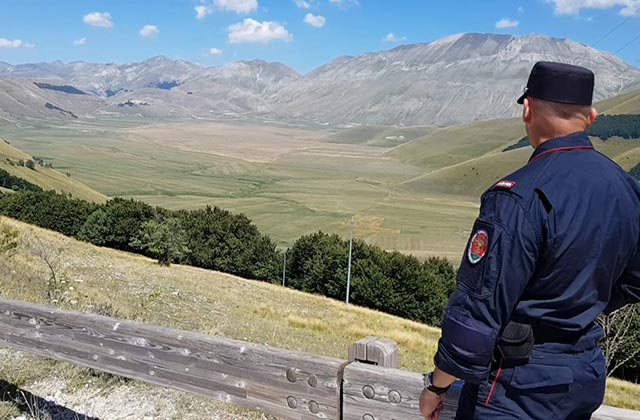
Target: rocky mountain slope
pixel 451 81
pixel 454 80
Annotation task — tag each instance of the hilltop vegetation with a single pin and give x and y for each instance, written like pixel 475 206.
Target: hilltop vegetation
pixel 13 183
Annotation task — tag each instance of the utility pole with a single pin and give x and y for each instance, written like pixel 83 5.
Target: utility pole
pixel 284 268
pixel 349 268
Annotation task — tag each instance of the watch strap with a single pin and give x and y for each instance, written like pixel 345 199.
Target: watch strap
pixel 429 386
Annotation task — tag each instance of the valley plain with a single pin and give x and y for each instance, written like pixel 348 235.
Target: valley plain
pixel 415 190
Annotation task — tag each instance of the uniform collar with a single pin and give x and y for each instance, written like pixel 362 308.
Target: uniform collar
pixel 574 141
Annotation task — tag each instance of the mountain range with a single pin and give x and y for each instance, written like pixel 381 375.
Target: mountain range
pixel 454 80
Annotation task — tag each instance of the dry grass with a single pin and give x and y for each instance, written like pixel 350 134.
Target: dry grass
pixel 132 287
pixel 8 410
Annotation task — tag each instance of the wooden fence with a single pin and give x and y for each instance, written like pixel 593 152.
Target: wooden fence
pixel 284 383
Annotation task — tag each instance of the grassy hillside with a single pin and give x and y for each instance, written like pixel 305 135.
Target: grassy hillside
pixel 472 177
pixel 628 103
pixel 454 145
pixel 380 136
pixel 135 288
pixel 46 178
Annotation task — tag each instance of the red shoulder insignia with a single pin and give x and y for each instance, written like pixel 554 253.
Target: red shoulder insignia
pixel 478 246
pixel 506 184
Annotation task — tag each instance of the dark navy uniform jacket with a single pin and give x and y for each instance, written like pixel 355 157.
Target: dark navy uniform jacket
pixel 556 244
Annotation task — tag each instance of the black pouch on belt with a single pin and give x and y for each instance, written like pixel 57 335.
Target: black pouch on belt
pixel 515 344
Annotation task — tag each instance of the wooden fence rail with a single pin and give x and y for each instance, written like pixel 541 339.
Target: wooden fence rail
pixel 284 383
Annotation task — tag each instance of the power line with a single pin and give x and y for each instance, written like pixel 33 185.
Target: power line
pixel 611 31
pixel 627 44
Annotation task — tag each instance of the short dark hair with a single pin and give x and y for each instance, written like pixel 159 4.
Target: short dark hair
pixel 564 111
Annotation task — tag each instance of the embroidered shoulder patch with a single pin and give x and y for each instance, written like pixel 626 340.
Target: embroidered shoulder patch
pixel 478 246
pixel 506 184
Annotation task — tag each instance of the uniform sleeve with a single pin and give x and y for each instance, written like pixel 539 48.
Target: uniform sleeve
pixel 499 260
pixel 627 288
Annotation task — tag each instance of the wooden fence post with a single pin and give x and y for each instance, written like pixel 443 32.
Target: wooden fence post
pixel 376 351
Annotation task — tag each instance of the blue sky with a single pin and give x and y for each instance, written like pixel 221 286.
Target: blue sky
pixel 303 34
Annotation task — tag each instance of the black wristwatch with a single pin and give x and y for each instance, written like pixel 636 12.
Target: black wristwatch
pixel 429 386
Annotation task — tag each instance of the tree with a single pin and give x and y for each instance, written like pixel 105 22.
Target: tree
pixel 220 240
pixel 318 264
pixel 50 254
pixel 48 210
pixel 116 223
pixel 621 341
pixel 164 240
pixel 30 164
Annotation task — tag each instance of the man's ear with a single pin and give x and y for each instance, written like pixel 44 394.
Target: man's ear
pixel 526 111
pixel 593 116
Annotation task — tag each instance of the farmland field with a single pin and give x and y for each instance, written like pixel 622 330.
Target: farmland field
pixel 415 189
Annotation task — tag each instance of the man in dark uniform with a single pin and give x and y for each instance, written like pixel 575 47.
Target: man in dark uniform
pixel 555 245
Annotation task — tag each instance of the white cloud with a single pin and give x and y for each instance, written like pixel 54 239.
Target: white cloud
pixel 302 4
pixel 573 7
pixel 241 7
pixel 344 2
pixel 215 51
pixel 80 42
pixel 149 31
pixel 101 20
pixel 520 9
pixel 313 20
pixel 392 38
pixel 16 43
pixel 202 12
pixel 252 31
pixel 506 23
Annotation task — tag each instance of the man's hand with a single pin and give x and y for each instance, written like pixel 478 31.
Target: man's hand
pixel 431 405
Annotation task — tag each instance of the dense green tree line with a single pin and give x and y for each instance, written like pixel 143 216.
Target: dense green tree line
pixel 216 239
pixel 14 183
pixel 605 127
pixel 390 281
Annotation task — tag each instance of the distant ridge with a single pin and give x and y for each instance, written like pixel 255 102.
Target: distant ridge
pixel 458 79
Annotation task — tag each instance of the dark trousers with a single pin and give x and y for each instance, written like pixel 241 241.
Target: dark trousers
pixel 551 386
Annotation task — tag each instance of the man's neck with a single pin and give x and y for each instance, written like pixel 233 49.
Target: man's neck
pixel 537 140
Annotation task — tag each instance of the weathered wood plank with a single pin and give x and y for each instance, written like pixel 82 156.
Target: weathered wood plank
pixel 284 383
pixel 376 393
pixel 287 384
pixel 611 413
pixel 377 351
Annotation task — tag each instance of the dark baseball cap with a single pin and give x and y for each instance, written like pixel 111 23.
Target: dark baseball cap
pixel 558 82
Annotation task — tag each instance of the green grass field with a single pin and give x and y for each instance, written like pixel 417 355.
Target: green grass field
pixel 419 196
pixel 289 181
